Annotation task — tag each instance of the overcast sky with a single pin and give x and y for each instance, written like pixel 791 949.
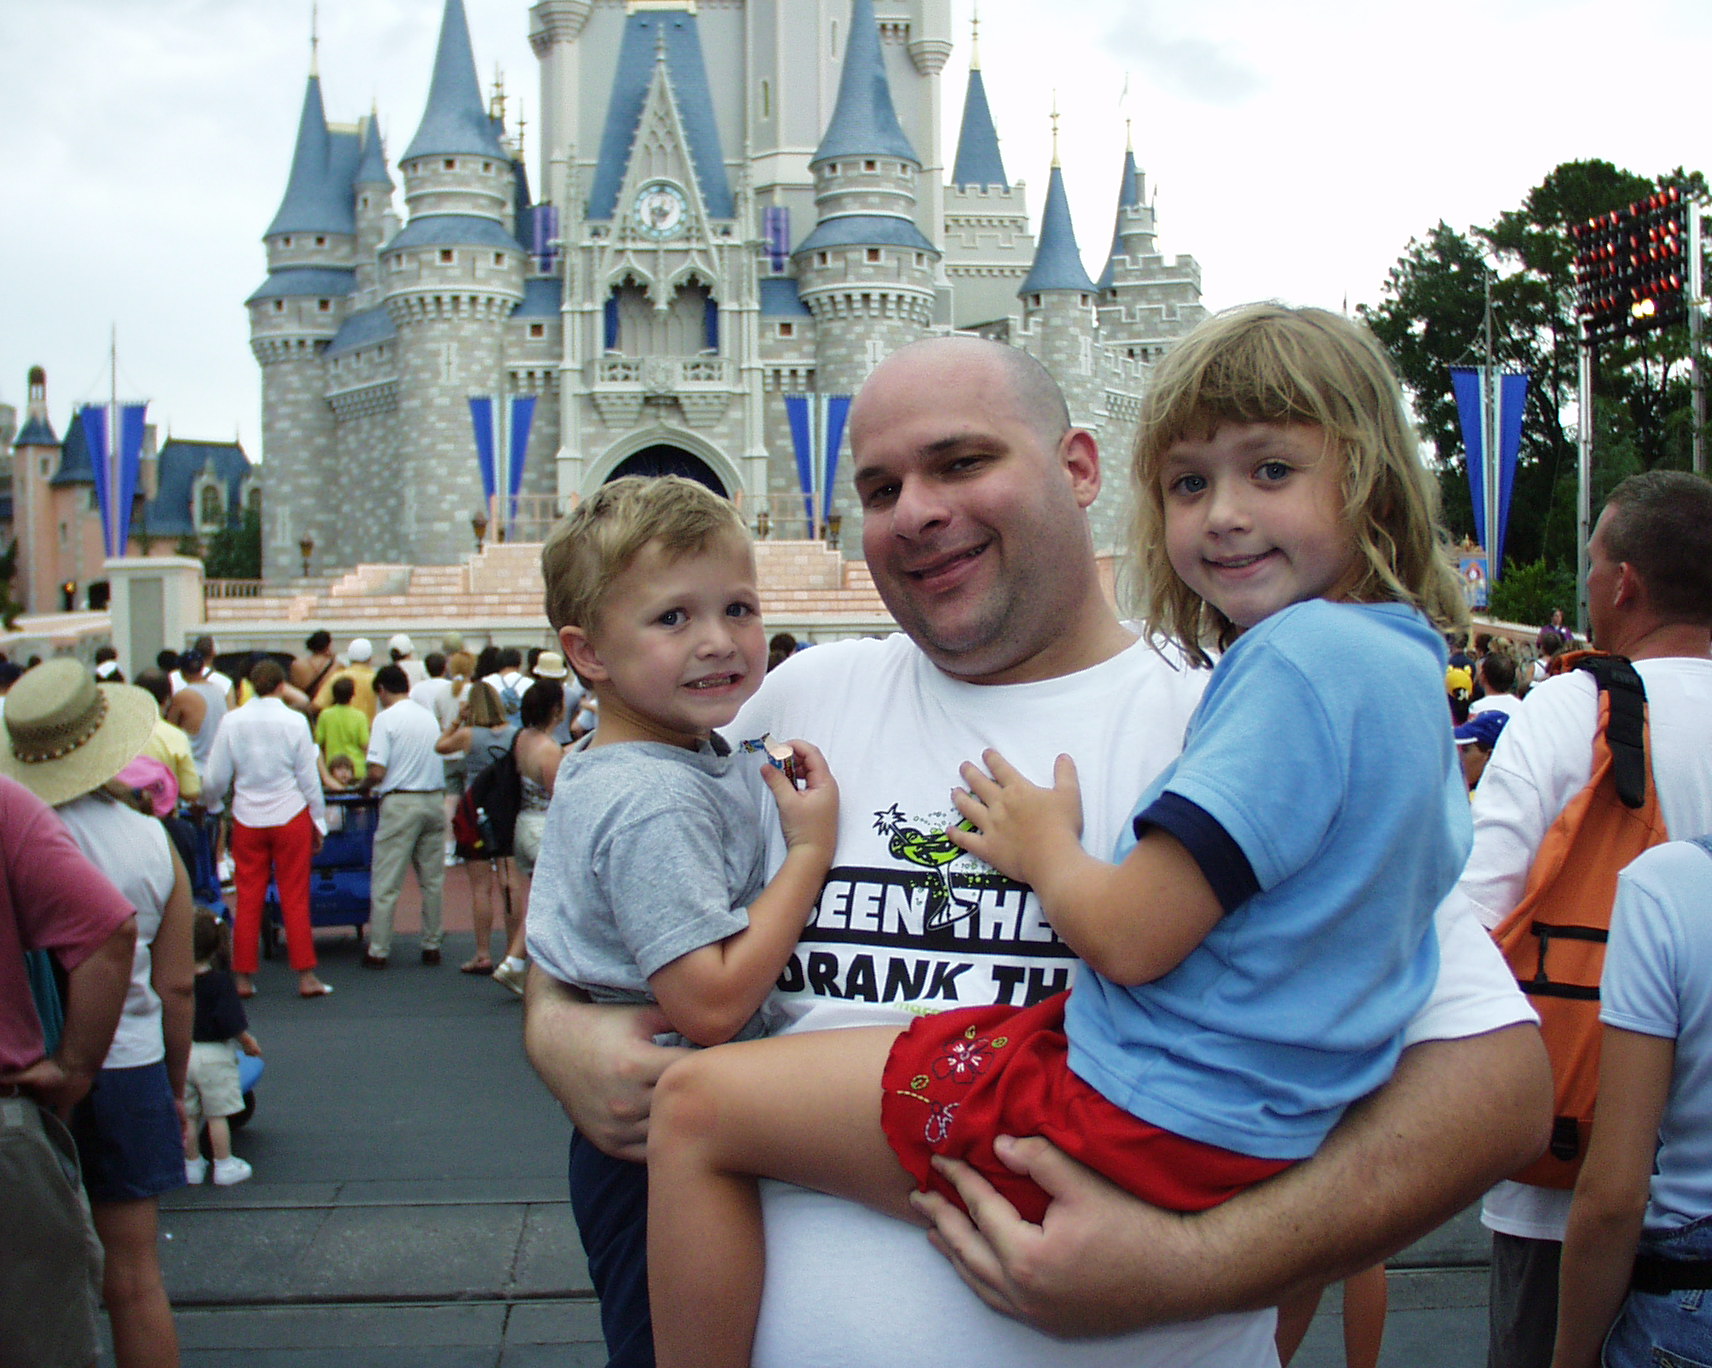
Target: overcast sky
pixel 1294 147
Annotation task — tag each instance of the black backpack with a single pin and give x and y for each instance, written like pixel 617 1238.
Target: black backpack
pixel 494 798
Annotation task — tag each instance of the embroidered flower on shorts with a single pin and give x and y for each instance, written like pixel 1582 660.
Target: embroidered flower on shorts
pixel 963 1059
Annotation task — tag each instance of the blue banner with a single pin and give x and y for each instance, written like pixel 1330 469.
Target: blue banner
pixel 802 443
pixel 93 418
pixel 522 419
pixel 1509 398
pixel 837 410
pixel 481 417
pixel 131 429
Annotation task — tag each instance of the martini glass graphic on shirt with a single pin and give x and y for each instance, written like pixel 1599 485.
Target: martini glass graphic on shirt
pixel 932 851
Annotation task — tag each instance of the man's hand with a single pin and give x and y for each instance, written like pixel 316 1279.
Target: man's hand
pixel 53 1085
pixel 1456 1116
pixel 599 1060
pixel 317 839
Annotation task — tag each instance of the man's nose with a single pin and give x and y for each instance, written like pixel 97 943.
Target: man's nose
pixel 920 507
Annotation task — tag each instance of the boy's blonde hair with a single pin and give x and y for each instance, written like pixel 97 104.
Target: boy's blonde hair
pixel 595 544
pixel 1269 363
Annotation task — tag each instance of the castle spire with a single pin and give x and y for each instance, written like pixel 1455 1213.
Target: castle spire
pixel 864 121
pixel 456 119
pixel 312 203
pixel 1057 259
pixel 978 160
pixel 1129 198
pixel 371 170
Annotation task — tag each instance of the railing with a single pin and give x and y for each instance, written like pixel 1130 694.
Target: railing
pixel 661 374
pixel 785 517
pixel 532 518
pixel 233 588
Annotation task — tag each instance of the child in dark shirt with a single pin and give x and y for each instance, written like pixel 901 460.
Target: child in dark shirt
pixel 211 1088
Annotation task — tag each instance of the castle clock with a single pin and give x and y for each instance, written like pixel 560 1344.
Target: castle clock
pixel 661 210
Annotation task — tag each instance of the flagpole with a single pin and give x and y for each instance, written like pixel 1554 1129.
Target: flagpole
pixel 113 461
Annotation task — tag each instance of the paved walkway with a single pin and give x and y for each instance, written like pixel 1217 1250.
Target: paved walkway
pixel 408 1208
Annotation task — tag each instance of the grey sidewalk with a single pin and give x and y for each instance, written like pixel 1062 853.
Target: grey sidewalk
pixel 409 1205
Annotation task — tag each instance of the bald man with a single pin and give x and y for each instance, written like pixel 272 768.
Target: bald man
pixel 975 488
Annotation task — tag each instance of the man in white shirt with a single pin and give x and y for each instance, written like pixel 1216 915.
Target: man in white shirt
pixel 509 681
pixel 1498 678
pixel 403 652
pixel 1649 597
pixel 406 772
pixel 264 754
pixel 434 691
pixel 975 489
pixel 204 647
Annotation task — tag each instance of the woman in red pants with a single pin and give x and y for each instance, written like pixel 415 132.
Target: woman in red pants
pixel 264 753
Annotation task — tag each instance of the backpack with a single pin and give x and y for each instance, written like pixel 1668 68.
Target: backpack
pixel 1554 940
pixel 509 699
pixel 485 820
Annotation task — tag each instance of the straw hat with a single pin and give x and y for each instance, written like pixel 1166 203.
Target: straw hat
pixel 67 734
pixel 550 665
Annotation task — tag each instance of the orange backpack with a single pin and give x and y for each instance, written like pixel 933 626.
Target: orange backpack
pixel 1554 940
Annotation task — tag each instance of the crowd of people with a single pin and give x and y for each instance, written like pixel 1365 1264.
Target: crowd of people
pixel 1167 943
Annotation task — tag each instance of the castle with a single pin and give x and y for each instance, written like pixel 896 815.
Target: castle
pixel 745 204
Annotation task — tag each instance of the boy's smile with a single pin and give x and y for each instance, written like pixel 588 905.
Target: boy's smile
pixel 678 644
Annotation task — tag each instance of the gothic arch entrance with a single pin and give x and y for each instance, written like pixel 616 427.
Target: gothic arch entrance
pixel 670 460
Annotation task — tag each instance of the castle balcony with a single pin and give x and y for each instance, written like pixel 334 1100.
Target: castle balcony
pixel 702 385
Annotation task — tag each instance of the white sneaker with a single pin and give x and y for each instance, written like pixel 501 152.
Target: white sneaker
pixel 230 1171
pixel 511 977
pixel 195 1171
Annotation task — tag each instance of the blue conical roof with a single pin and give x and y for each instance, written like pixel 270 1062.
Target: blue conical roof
pixel 371 170
pixel 36 432
pixel 1129 197
pixel 75 464
pixel 456 120
pixel 1057 259
pixel 315 201
pixel 978 160
pixel 864 123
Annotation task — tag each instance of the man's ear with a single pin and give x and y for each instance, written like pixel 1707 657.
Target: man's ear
pixel 1081 457
pixel 581 655
pixel 1627 587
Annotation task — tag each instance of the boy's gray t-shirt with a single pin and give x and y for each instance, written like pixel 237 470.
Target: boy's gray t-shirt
pixel 650 851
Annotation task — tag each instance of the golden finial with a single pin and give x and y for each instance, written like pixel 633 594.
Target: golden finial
pixel 314 38
pixel 975 39
pixel 1055 128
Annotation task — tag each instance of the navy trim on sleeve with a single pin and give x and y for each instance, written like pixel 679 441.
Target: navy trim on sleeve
pixel 1223 865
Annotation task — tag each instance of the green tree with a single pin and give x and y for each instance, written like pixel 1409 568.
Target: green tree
pixel 10 608
pixel 235 552
pixel 1431 317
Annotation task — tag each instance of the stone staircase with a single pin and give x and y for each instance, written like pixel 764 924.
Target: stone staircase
pixel 806 589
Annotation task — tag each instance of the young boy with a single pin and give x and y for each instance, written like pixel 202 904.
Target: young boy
pixel 343 728
pixel 650 887
pixel 211 1087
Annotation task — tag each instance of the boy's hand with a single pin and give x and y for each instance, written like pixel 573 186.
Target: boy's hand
pixel 1021 829
pixel 250 1045
pixel 808 816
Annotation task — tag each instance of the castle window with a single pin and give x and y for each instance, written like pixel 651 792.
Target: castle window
pixel 279 306
pixel 208 507
pixel 823 258
pixel 921 258
pixel 450 164
pixel 320 241
pixel 537 329
pixel 787 330
pixel 287 242
pixel 766 100
pixel 365 201
pixel 832 48
pixel 870 165
pixel 486 167
pixel 873 254
pixel 324 305
pixel 447 256
pixel 499 258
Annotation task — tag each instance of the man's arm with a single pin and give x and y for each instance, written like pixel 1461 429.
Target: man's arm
pixel 95 995
pixel 173 973
pixel 1456 1116
pixel 598 1059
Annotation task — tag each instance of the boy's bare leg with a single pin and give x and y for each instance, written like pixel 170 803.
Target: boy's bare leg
pixel 219 1137
pixel 802 1108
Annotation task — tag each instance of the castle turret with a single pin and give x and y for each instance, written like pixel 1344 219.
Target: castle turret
pixel 866 268
pixel 311 252
pixel 35 458
pixel 1058 304
pixel 1145 301
pixel 450 278
pixel 988 247
pixel 375 221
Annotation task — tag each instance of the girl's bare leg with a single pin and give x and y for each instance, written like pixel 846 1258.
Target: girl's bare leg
pixel 480 875
pixel 802 1108
pixel 1364 1301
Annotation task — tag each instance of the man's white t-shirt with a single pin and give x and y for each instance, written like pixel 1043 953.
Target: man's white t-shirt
pixel 1544 757
pixel 905 924
pixel 1503 703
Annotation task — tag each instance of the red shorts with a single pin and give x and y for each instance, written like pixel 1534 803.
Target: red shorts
pixel 954 1081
